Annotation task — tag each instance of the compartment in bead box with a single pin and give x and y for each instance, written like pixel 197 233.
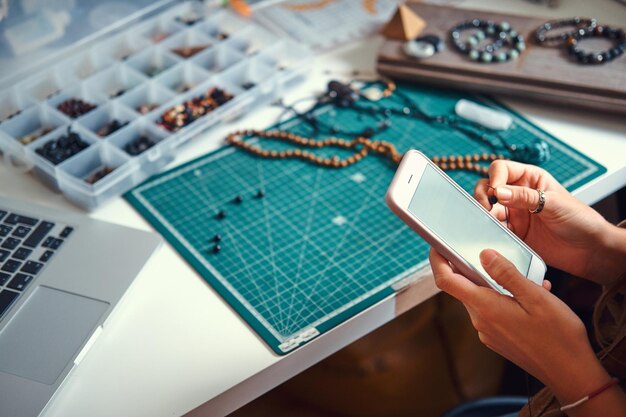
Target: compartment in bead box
pixel 249 74
pixel 227 23
pixel 160 29
pixel 86 64
pixel 12 102
pixel 46 85
pixel 123 46
pixel 183 77
pixel 76 101
pixel 214 31
pixel 218 59
pixel 188 14
pixel 101 170
pixel 147 143
pixel 153 61
pixel 251 39
pixel 108 119
pixel 115 81
pixel 95 164
pixel 204 103
pixel 12 153
pixel 55 148
pixel 286 58
pixel 284 55
pixel 147 97
pixel 33 123
pixel 188 43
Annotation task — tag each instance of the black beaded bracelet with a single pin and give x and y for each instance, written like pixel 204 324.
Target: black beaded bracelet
pixel 502 34
pixel 581 25
pixel 595 58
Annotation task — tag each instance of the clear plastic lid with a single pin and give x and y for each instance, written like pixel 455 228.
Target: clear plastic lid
pixel 34 33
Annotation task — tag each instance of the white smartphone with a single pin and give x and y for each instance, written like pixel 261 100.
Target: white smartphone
pixel 454 223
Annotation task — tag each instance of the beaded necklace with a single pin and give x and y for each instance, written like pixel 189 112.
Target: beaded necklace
pixel 361 146
pixel 346 97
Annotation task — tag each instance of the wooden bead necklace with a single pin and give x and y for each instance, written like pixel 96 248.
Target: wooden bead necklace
pixel 361 145
pixel 346 97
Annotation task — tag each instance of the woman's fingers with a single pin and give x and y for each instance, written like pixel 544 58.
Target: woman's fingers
pixel 506 274
pixel 519 197
pixel 481 193
pixel 456 285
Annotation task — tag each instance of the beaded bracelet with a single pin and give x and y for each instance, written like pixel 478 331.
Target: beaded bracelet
pixel 581 25
pixel 502 33
pixel 594 58
pixel 613 381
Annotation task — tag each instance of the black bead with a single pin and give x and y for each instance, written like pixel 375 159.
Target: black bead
pixel 368 132
pixel 217 238
pixel 217 248
pixel 492 199
pixel 238 199
pixel 221 215
pixel 260 194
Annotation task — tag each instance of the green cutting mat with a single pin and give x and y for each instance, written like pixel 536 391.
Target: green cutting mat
pixel 321 245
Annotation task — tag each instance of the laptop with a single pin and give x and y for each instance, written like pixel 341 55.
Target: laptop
pixel 61 276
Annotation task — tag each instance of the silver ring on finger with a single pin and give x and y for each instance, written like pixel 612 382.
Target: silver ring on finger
pixel 541 203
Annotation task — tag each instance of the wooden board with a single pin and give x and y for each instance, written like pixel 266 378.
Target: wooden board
pixel 540 73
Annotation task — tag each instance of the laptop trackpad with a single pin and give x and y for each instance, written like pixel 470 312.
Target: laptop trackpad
pixel 46 333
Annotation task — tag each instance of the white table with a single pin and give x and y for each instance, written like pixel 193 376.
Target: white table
pixel 174 345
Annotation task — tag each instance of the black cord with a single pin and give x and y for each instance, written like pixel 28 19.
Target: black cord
pixel 344 96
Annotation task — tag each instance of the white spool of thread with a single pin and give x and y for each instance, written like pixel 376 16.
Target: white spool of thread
pixel 485 116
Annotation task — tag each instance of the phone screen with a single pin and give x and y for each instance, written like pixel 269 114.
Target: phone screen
pixel 466 229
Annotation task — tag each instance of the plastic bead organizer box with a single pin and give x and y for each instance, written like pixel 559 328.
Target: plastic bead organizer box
pixel 109 116
pixel 320 245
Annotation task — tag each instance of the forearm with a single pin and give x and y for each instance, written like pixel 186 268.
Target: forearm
pixel 608 262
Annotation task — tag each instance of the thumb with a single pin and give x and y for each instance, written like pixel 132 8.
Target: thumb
pixel 506 274
pixel 519 197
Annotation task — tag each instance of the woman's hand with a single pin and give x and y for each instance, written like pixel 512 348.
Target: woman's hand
pixel 533 329
pixel 567 234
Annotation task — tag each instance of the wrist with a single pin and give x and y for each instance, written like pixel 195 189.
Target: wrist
pixel 578 381
pixel 608 261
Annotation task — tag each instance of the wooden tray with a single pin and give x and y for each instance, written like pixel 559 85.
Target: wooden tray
pixel 540 73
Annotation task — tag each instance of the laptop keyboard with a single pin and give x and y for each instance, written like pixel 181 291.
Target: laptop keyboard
pixel 27 244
